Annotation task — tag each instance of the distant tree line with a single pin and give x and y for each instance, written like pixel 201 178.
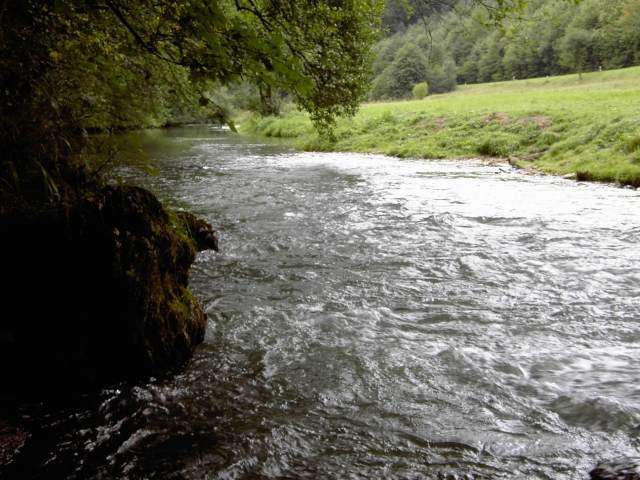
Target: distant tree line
pixel 459 42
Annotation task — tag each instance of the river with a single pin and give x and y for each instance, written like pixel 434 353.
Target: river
pixel 371 317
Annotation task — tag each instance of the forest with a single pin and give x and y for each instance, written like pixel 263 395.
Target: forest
pixel 459 44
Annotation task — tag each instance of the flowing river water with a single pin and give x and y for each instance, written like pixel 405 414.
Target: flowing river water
pixel 371 317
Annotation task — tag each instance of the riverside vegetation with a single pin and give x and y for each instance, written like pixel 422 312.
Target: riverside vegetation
pixel 587 126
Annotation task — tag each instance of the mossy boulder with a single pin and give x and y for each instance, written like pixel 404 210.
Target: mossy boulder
pixel 96 291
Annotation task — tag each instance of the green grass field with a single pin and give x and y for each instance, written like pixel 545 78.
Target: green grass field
pixel 559 125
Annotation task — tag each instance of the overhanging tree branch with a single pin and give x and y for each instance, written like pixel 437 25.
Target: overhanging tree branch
pixel 148 46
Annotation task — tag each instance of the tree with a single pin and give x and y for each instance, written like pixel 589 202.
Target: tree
pixel 596 34
pixel 575 49
pixel 398 79
pixel 395 16
pixel 442 77
pixel 468 70
pixel 530 42
pixel 629 25
pixel 490 61
pixel 386 50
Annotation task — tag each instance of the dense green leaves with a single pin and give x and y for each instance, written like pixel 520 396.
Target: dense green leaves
pixel 406 60
pixel 317 51
pixel 576 49
pixel 420 90
pixel 397 80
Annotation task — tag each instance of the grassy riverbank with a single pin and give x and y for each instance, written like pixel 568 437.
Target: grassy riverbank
pixel 559 125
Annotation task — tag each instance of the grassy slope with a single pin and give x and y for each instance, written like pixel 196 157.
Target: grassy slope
pixel 558 125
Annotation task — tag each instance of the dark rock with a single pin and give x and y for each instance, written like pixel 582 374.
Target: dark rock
pixel 623 468
pixel 584 176
pixel 12 439
pixel 96 291
pixel 203 234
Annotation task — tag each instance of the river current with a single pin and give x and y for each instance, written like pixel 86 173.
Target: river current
pixel 371 317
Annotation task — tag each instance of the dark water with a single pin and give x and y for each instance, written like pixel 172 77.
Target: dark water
pixel 380 318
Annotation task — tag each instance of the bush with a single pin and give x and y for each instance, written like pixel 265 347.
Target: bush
pixel 420 90
pixel 397 79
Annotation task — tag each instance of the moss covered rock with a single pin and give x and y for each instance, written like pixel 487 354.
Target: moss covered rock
pixel 96 291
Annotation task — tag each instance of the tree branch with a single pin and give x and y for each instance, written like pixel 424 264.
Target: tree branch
pixel 138 38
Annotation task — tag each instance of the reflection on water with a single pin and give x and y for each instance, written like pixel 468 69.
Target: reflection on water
pixel 380 318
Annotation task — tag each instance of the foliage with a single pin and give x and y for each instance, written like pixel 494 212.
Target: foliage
pixel 317 51
pixel 420 90
pixel 576 49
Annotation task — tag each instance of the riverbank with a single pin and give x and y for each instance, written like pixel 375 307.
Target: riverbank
pixel 589 127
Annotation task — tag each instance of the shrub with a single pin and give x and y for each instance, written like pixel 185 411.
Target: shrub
pixel 420 90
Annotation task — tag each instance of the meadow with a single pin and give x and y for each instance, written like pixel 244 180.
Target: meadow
pixel 588 126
